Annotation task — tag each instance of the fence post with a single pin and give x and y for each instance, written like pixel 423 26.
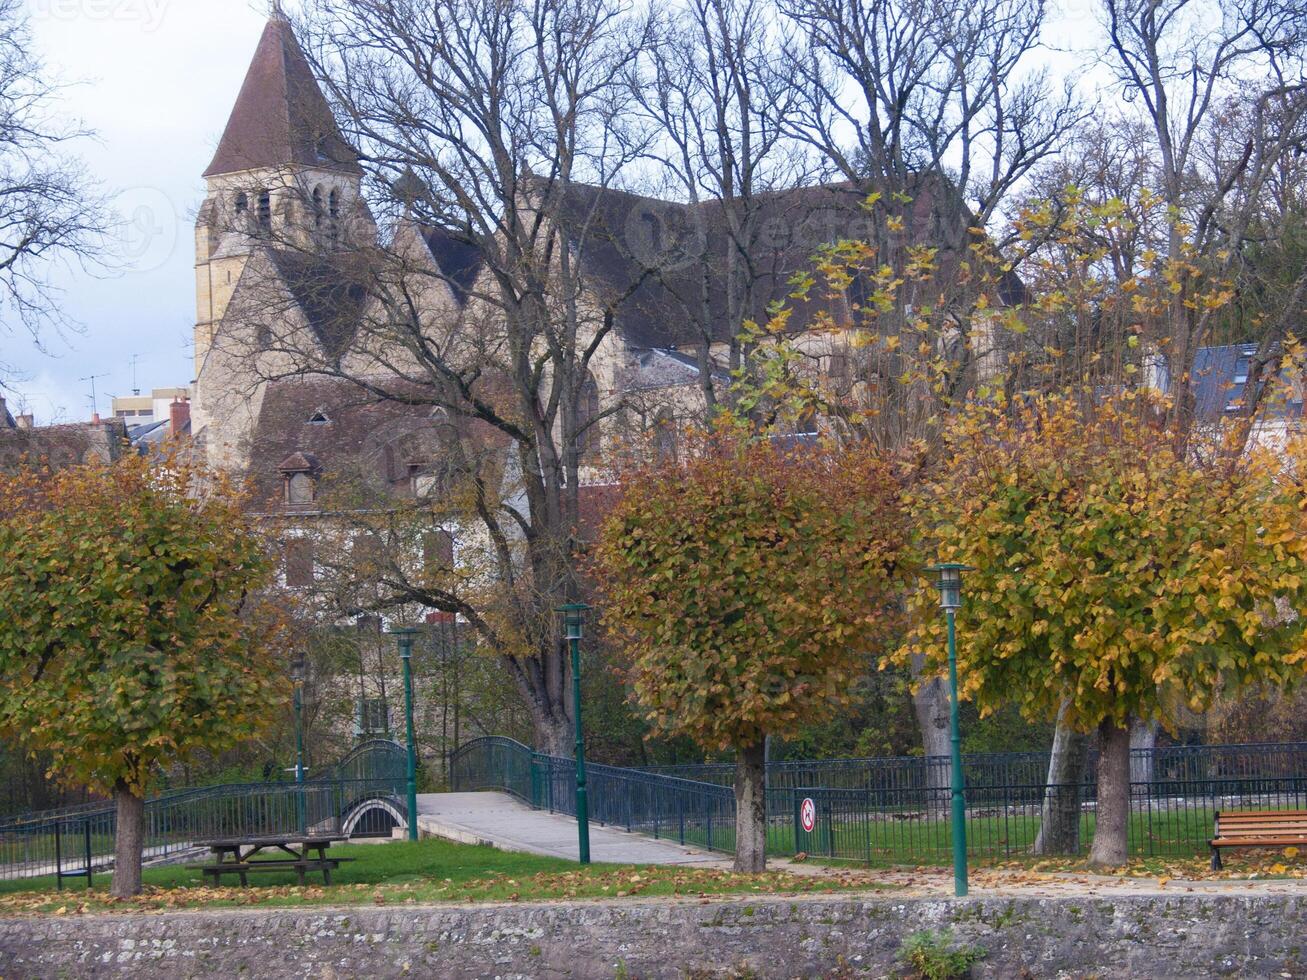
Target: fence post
pixel 798 824
pixel 58 860
pixel 680 814
pixel 86 827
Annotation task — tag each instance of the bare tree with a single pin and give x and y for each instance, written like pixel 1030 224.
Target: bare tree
pixel 1182 62
pixel 714 89
pixel 49 211
pixel 936 107
pixel 489 133
pixel 923 97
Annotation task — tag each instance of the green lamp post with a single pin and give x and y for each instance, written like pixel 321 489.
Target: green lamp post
pixel 404 637
pixel 573 620
pixel 949 583
pixel 297 672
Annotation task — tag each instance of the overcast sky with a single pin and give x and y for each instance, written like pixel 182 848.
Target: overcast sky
pixel 156 79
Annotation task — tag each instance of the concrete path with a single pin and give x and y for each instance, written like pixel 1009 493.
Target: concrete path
pixel 501 821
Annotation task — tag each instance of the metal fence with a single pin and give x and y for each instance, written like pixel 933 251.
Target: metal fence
pixel 74 842
pixel 665 807
pixel 895 811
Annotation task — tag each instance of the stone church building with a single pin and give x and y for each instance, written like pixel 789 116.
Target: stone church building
pixel 285 203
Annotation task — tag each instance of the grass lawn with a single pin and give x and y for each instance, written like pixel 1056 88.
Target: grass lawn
pixel 418 873
pixel 887 840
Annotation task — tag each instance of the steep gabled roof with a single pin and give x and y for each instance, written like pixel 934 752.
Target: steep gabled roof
pixel 661 262
pixel 281 117
pixel 330 295
pixel 458 260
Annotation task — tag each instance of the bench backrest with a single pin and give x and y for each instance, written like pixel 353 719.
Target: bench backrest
pixel 1261 823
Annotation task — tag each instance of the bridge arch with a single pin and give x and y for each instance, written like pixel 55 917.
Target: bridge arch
pixel 376 816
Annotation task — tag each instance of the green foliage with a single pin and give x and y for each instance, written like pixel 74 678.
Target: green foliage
pixel 128 639
pixel 753 584
pixel 1112 568
pixel 932 955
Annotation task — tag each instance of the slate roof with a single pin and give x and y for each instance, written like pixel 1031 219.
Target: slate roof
pixel 657 259
pixel 329 294
pixel 358 436
pixel 281 117
pixel 1220 377
pixel 458 260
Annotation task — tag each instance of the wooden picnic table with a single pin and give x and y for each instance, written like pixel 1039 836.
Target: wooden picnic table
pixel 238 856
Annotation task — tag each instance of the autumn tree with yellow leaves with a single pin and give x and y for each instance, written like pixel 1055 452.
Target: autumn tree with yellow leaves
pixel 1116 575
pixel 131 633
pixel 753 584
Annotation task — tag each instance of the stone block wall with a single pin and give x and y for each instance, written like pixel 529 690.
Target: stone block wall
pixel 1154 937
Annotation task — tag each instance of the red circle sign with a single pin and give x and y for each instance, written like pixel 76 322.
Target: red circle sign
pixel 808 814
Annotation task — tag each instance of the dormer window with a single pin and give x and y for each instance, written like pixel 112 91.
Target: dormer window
pixel 319 418
pixel 300 472
pixel 299 489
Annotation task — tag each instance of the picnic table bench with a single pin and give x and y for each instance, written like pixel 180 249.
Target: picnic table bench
pixel 237 856
pixel 1257 828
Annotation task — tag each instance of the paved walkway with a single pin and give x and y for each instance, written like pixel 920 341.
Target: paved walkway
pixel 501 821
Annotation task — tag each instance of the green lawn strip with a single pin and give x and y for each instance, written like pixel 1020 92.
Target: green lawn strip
pixel 426 872
pixel 887 839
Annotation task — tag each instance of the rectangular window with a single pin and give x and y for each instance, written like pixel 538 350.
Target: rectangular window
pixel 299 562
pixel 374 717
pixel 437 551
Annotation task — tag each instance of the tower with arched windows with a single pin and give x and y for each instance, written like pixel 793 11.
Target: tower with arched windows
pixel 283 186
pixel 282 175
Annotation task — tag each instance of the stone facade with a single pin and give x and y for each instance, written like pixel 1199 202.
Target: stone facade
pixel 1127 936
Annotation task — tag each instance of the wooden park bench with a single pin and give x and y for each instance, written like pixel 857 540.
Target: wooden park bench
pixel 1258 828
pixel 237 857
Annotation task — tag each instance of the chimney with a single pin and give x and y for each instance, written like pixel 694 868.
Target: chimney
pixel 95 418
pixel 26 422
pixel 4 413
pixel 179 416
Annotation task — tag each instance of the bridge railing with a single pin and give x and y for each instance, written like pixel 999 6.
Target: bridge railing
pixel 664 807
pixel 69 840
pixel 893 811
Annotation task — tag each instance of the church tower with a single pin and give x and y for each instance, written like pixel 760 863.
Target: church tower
pixel 282 176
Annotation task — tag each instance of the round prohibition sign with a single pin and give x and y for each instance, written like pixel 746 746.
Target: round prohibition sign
pixel 808 815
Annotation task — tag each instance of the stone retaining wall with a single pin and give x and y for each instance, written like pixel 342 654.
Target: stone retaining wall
pixel 1152 937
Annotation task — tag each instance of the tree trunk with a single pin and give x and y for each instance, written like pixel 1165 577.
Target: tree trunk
pixel 554 736
pixel 931 706
pixel 1111 821
pixel 1059 824
pixel 751 808
pixel 1143 740
pixel 128 844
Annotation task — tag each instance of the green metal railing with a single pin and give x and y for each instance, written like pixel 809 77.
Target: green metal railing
pixel 664 807
pixel 896 811
pixel 72 840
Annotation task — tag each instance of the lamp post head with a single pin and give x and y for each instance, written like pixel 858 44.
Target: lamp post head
pixel 404 636
pixel 573 618
pixel 948 579
pixel 297 668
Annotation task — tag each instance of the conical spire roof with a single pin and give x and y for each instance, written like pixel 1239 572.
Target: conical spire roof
pixel 281 117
